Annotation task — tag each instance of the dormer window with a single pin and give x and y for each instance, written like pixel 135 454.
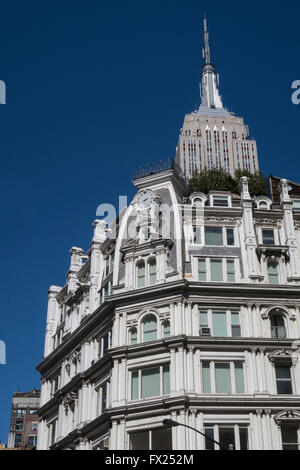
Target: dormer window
pixel 198 199
pixel 220 201
pixel 263 203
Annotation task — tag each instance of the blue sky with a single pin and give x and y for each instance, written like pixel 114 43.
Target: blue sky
pixel 97 89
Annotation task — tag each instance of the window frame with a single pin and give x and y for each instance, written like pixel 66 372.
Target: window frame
pixel 138 371
pixel 225 272
pixel 229 324
pixel 232 376
pixel 237 436
pixel 224 229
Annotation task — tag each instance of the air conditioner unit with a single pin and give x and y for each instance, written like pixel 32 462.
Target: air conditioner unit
pixel 205 332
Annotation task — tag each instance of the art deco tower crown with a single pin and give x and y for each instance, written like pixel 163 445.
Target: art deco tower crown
pixel 213 137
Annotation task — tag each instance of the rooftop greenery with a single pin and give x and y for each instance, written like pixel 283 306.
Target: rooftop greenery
pixel 219 180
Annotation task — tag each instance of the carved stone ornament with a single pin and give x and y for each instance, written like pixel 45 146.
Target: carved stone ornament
pixel 281 355
pixel 70 400
pixel 287 415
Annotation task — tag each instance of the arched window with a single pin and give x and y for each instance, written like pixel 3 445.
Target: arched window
pixel 149 328
pixel 152 271
pixel 133 336
pixel 263 205
pixel 277 326
pixel 273 272
pixel 166 329
pixel 141 274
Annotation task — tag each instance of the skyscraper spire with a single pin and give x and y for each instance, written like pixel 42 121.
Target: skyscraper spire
pixel 206 52
pixel 210 97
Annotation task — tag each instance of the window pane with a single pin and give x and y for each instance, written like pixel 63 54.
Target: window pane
pixel 273 273
pixel 283 372
pixel 239 378
pixel 244 438
pixel 216 270
pixel 150 328
pixel 166 379
pixel 230 236
pixel 268 237
pixel 201 270
pixel 139 441
pixel 150 382
pixel 203 320
pixel 134 385
pixel 226 437
pixel 219 324
pixel 161 439
pixel 220 201
pixel 209 445
pixel 223 380
pixel 284 387
pixel 230 270
pixel 213 236
pixel 166 329
pixel 235 325
pixel 289 434
pixel 141 274
pixel 152 272
pixel 206 377
pixel 133 336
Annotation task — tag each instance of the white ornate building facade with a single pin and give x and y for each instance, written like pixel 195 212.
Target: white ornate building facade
pixel 200 325
pixel 187 308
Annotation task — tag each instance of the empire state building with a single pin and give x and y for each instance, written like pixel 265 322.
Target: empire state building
pixel 213 137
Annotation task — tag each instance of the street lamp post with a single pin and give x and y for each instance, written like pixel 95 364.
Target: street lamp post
pixel 171 423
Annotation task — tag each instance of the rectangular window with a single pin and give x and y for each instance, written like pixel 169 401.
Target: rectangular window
pixel 32 441
pixel 203 320
pixel 219 324
pixel 155 439
pixel 18 440
pixel 214 236
pixel 296 205
pixel 235 325
pixel 166 379
pixel 220 201
pixel 19 425
pixel 230 270
pixel 239 378
pixel 283 380
pixel 222 377
pixel 273 273
pixel 201 270
pixel 216 270
pixel 227 437
pixel 206 377
pixel 150 382
pixel 230 236
pixel 268 237
pixel 134 385
pixel 289 435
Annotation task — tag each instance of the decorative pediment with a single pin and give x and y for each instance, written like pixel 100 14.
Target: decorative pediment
pixel 287 416
pixel 149 311
pixel 281 355
pixel 277 310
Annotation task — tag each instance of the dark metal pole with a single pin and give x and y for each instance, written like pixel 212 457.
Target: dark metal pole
pixel 171 423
